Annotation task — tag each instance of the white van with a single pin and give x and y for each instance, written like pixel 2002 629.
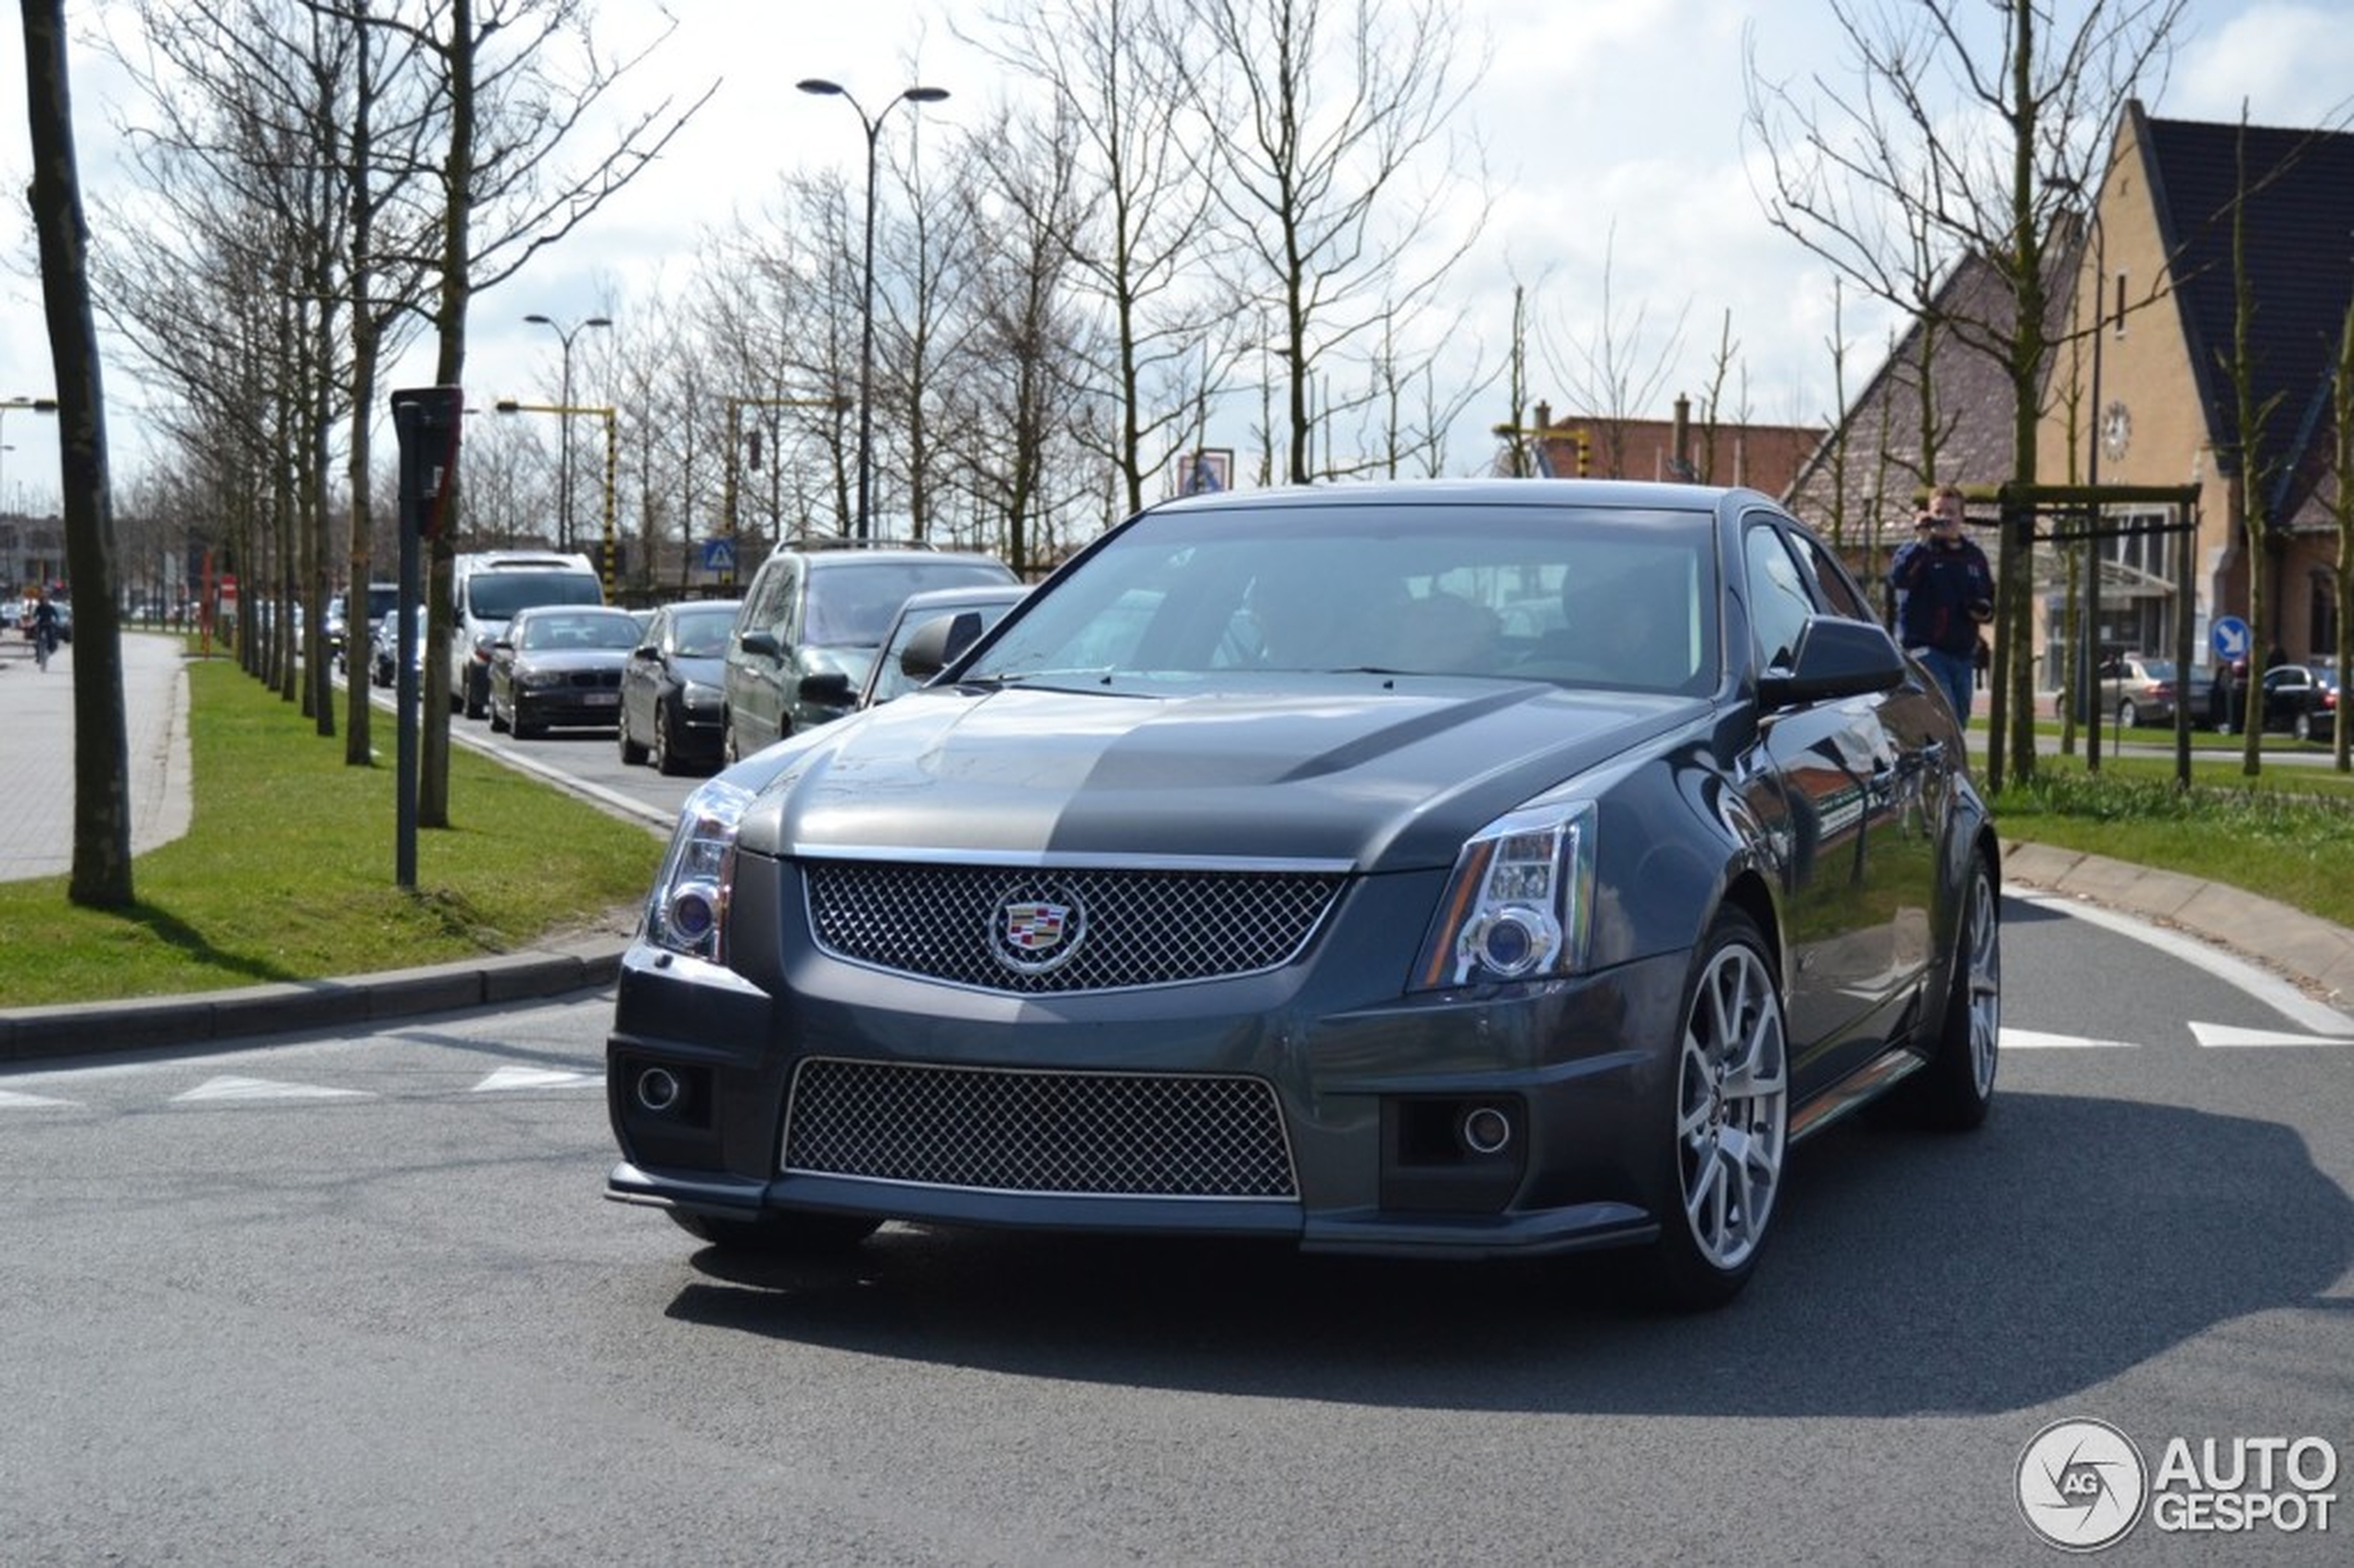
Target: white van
pixel 486 589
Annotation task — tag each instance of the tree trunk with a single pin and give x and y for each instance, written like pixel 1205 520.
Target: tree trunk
pixel 101 875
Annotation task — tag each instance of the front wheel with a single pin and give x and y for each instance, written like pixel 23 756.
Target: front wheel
pixel 2302 726
pixel 632 752
pixel 2128 716
pixel 1730 1128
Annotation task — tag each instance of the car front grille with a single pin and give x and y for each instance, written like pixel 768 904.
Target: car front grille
pixel 1014 1131
pixel 1033 930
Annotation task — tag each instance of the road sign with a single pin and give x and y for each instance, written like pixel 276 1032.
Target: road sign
pixel 720 555
pixel 2229 637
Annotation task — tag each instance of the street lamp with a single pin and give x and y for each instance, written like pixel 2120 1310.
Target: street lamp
pixel 867 308
pixel 38 405
pixel 563 435
pixel 607 572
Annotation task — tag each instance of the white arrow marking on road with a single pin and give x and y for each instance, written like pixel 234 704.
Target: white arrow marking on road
pixel 2213 1035
pixel 539 1078
pixel 264 1088
pixel 2036 1040
pixel 11 1098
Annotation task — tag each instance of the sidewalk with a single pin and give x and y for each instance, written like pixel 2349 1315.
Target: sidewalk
pixel 36 759
pixel 36 840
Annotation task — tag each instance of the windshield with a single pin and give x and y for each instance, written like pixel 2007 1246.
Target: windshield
pixel 542 632
pixel 852 601
pixel 701 634
pixel 496 596
pixel 1588 596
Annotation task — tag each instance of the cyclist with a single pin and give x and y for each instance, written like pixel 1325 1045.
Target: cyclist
pixel 45 630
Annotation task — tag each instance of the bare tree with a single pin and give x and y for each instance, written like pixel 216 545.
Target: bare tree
pixel 1136 213
pixel 2251 461
pixel 101 874
pixel 1966 142
pixel 1333 115
pixel 2342 511
pixel 1611 372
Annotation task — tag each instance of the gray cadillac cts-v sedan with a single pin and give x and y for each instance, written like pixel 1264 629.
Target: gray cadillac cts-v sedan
pixel 1468 868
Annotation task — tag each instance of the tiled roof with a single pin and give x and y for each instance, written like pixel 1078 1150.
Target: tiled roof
pixel 2300 252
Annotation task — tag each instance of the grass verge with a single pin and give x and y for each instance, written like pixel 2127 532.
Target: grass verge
pixel 2287 834
pixel 286 871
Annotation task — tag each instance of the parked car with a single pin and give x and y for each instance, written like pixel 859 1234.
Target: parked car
pixel 976 609
pixel 672 707
pixel 2302 700
pixel 382 600
pixel 560 665
pixel 2141 689
pixel 1330 911
pixel 819 609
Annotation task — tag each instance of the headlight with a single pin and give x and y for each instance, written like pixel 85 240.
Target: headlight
pixel 1520 903
pixel 699 698
pixel 687 910
pixel 540 681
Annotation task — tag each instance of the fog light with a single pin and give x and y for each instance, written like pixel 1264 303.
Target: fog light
pixel 694 911
pixel 657 1089
pixel 1485 1129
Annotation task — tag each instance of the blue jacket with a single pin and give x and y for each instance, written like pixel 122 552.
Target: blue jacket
pixel 1948 590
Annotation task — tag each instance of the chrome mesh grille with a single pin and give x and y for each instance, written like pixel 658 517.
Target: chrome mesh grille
pixel 995 1130
pixel 1125 928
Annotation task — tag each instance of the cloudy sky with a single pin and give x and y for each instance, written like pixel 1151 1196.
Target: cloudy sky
pixel 1613 130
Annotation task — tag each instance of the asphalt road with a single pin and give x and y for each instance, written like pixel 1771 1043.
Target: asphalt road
pixel 357 1299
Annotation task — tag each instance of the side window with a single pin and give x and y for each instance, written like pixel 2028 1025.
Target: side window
pixel 763 610
pixel 1779 600
pixel 1836 589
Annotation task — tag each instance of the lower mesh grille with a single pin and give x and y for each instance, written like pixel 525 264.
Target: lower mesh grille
pixel 1095 1133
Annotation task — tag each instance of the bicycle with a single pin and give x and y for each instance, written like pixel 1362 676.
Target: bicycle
pixel 44 642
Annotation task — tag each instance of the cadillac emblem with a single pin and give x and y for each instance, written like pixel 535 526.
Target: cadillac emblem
pixel 1036 928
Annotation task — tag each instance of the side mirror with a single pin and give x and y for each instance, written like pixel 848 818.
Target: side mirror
pixel 761 642
pixel 827 689
pixel 1836 657
pixel 647 651
pixel 939 643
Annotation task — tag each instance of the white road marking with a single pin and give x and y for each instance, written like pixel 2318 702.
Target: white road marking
pixel 10 1097
pixel 539 1078
pixel 2036 1040
pixel 265 1089
pixel 2227 1035
pixel 2260 983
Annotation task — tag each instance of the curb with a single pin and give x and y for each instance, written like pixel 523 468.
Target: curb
pixel 201 1018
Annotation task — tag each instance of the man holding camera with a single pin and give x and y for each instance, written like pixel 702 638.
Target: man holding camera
pixel 1945 591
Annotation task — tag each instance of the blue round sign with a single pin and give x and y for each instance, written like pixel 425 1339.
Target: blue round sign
pixel 2229 637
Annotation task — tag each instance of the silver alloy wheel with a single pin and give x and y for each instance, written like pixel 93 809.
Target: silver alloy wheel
pixel 1982 956
pixel 2304 725
pixel 2128 716
pixel 1732 1114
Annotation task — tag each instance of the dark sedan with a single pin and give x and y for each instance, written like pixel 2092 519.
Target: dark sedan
pixel 1325 903
pixel 559 666
pixel 673 709
pixel 2302 700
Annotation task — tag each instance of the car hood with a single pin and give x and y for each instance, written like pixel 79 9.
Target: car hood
pixel 1381 779
pixel 701 671
pixel 572 659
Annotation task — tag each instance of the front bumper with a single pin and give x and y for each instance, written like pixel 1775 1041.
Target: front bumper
pixel 1372 1089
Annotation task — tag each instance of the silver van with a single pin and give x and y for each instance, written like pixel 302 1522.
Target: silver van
pixel 820 609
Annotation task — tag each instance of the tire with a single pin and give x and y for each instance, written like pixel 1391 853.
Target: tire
pixel 666 755
pixel 2128 716
pixel 728 757
pixel 632 754
pixel 2302 725
pixel 1955 1089
pixel 478 691
pixel 779 1233
pixel 1729 1132
pixel 498 719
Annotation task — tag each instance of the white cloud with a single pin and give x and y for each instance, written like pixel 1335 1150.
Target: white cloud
pixel 1600 120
